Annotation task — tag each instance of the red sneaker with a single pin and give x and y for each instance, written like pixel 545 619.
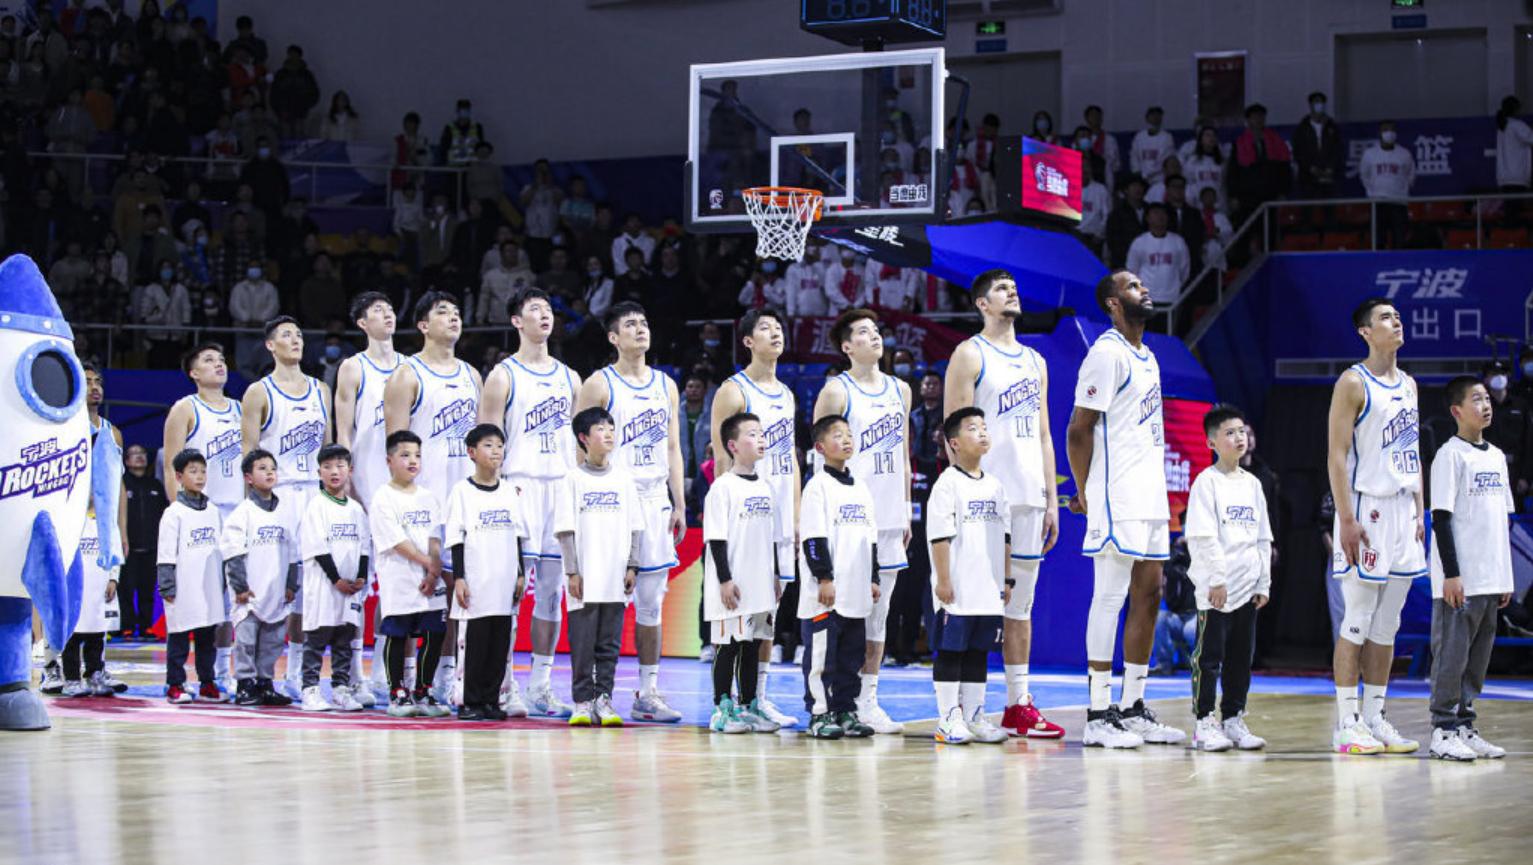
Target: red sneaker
pixel 1024 719
pixel 177 694
pixel 209 692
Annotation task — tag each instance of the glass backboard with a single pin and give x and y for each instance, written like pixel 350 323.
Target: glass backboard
pixel 865 129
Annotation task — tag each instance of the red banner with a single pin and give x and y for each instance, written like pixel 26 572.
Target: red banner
pixel 1187 451
pixel 926 339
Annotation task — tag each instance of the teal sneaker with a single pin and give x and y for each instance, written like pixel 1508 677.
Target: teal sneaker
pixel 726 718
pixel 824 726
pixel 852 726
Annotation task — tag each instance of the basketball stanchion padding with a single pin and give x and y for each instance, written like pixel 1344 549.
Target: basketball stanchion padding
pixel 782 216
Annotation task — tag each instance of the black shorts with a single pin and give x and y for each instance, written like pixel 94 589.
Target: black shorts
pixel 950 633
pixel 414 624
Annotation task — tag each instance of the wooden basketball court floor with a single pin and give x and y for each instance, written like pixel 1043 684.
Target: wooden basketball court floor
pixel 131 779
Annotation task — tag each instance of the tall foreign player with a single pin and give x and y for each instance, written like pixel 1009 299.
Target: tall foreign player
pixel 1010 382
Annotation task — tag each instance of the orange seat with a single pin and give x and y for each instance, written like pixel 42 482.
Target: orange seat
pixel 1300 242
pixel 1461 238
pixel 1353 214
pixel 1289 216
pixel 1508 238
pixel 1439 211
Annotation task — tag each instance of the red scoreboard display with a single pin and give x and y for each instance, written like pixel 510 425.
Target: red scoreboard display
pixel 1037 179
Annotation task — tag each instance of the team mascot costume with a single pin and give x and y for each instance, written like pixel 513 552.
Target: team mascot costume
pixel 45 484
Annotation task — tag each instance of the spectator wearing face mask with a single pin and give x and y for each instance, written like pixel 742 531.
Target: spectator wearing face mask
pixel 597 291
pixel 904 365
pixel 268 180
pixel 333 353
pixel 461 137
pixel 1524 385
pixel 843 281
pixel 1204 167
pixel 1043 128
pixel 885 286
pixel 1151 146
pixel 1511 426
pixel 765 287
pixel 165 302
pixel 633 237
pixel 805 289
pixel 1126 222
pixel 1160 258
pixel 1170 167
pixel 1102 145
pixel 1387 171
pixel 252 302
pixel 1317 150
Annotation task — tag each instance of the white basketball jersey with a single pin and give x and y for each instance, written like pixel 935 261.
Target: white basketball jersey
pixel 446 408
pixel 1010 391
pixel 1386 438
pixel 216 435
pixel 294 430
pixel 643 415
pixel 539 440
pixel 776 411
pixel 1128 455
pixel 369 463
pixel 878 420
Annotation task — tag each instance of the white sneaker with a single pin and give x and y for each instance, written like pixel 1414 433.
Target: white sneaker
pixel 1450 745
pixel 1353 737
pixel 227 684
pixel 1393 742
pixel 605 714
pixel 1141 721
pixel 511 701
pixel 752 715
pixel 705 655
pixel 1108 731
pixel 872 714
pixel 1479 746
pixel 1235 728
pixel 952 730
pixel 652 707
pixel 798 656
pixel 542 703
pixel 984 731
pixel 769 710
pixel 726 718
pixel 99 685
pixel 363 694
pixel 53 678
pixel 776 655
pixel 1209 735
pixel 344 700
pixel 314 701
pixel 108 680
pixel 583 715
pixel 293 688
pixel 445 685
pixel 75 688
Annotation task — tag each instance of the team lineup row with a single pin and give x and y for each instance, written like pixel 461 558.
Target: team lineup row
pixel 530 400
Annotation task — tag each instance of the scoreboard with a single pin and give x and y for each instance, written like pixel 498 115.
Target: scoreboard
pixel 856 22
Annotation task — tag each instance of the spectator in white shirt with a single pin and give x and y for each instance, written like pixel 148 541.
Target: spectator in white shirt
pixel 1104 145
pixel 540 209
pixel 491 258
pixel 500 285
pixel 633 235
pixel 1095 202
pixel 1204 167
pixel 164 302
pixel 598 288
pixel 1216 228
pixel 1171 166
pixel 253 301
pixel 1514 148
pixel 764 288
pixel 1151 146
pixel 409 218
pixel 1160 257
pixel 885 286
pixel 843 281
pixel 1387 171
pixel 805 284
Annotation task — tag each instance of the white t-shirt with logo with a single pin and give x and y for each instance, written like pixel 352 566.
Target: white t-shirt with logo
pixel 973 513
pixel 487 523
pixel 741 512
pixel 1473 483
pixel 602 510
pixel 189 541
pixel 1230 510
pixel 341 530
pixel 398 516
pixel 269 542
pixel 842 514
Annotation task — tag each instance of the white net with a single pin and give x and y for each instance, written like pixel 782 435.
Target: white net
pixel 782 216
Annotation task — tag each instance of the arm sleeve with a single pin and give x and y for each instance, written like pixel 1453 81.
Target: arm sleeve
pixel 327 564
pixel 362 568
pixel 719 549
pixel 874 559
pixel 1442 532
pixel 165 578
pixel 294 577
pixel 457 561
pixel 634 547
pixel 234 572
pixel 1098 379
pixel 817 554
pixel 570 556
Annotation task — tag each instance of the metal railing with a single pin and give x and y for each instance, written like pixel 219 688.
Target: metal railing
pixel 1249 247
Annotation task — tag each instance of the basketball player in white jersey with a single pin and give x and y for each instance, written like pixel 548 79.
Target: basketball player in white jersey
pixel 436 396
pixel 1117 448
pixel 1010 382
pixel 287 413
pixel 1374 466
pixel 359 427
pixel 644 403
pixel 209 423
pixel 531 396
pixel 877 407
pixel 757 390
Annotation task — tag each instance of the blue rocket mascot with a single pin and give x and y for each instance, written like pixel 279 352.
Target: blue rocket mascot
pixel 45 483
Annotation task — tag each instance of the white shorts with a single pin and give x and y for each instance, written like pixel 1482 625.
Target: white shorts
pixel 536 496
pixel 657 548
pixel 1026 556
pixel 1392 550
pixel 1144 540
pixel 295 497
pixel 741 629
pixel 891 550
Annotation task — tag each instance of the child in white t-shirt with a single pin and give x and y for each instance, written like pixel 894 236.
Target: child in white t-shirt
pixel 740 575
pixel 336 545
pixel 599 527
pixel 841 557
pixel 406 525
pixel 1230 539
pixel 485 530
pixel 191 581
pixel 1471 570
pixel 260 550
pixel 968 522
pixel 98 617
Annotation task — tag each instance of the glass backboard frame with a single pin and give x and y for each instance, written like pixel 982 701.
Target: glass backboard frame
pixel 839 210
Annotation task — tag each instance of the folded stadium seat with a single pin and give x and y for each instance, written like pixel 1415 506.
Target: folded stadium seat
pixel 1460 238
pixel 1508 238
pixel 1352 214
pixel 1440 211
pixel 1350 241
pixel 1301 241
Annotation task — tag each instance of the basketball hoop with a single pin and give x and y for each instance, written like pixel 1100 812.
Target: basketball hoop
pixel 782 216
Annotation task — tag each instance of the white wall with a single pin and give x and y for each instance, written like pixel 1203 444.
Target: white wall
pixel 577 80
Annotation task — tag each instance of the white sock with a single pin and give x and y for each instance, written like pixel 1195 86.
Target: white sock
pixel 50 654
pixel 356 662
pixel 1100 683
pixel 1346 703
pixel 761 682
pixel 294 661
pixel 408 682
pixel 542 669
pixel 649 679
pixel 947 697
pixel 1373 701
pixel 1016 683
pixel 971 696
pixel 869 694
pixel 221 662
pixel 1134 676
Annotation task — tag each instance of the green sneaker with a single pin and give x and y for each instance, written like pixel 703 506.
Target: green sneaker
pixel 852 727
pixel 726 718
pixel 824 726
pixel 757 718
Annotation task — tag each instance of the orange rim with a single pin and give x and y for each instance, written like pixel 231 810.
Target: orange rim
pixel 782 196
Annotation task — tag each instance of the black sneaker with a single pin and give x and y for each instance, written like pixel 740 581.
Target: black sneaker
pixel 471 713
pixel 248 694
pixel 825 726
pixel 852 727
pixel 493 713
pixel 1112 715
pixel 270 696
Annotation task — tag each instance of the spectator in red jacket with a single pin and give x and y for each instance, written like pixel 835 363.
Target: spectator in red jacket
pixel 1261 171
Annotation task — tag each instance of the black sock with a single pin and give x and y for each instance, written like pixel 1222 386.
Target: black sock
pixel 426 660
pixel 394 649
pixel 724 661
pixel 745 670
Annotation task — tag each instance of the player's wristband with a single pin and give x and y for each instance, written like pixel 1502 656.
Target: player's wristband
pixel 1011 582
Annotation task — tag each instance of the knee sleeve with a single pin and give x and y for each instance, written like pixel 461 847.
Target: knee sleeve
pixel 1361 600
pixel 1025 572
pixel 649 598
pixel 948 666
pixel 1386 617
pixel 976 664
pixel 878 619
pixel 548 588
pixel 1110 580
